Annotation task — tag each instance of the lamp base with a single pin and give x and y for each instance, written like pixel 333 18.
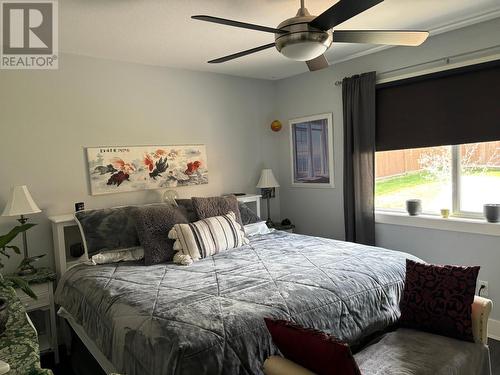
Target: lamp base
pixel 26 268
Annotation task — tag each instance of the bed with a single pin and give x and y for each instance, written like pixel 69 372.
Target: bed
pixel 207 318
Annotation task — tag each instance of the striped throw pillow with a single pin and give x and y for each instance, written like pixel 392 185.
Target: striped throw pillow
pixel 206 237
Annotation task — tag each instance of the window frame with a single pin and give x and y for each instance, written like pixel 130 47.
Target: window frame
pixel 327 142
pixel 456 181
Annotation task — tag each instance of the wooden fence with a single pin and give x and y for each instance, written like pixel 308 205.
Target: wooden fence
pixel 393 163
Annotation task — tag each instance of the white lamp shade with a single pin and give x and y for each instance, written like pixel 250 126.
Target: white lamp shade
pixel 20 203
pixel 267 180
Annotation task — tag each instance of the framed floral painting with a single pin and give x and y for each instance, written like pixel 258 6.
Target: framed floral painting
pixel 117 169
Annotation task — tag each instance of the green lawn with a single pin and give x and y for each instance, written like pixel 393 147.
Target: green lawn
pixel 481 171
pixel 412 179
pixel 392 184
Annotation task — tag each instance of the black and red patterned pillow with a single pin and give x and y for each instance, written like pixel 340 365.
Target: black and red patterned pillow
pixel 315 350
pixel 439 299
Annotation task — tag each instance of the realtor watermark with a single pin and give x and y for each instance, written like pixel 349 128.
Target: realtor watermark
pixel 29 34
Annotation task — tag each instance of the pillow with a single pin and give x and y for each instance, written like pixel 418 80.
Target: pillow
pixel 315 350
pixel 121 255
pixel 152 224
pixel 188 210
pixel 247 215
pixel 206 237
pixel 438 299
pixel 216 206
pixel 256 228
pixel 107 229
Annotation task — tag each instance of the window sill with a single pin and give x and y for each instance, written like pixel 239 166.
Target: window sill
pixel 453 224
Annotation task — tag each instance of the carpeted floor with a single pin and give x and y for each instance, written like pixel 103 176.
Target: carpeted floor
pixel 495 356
pixel 73 366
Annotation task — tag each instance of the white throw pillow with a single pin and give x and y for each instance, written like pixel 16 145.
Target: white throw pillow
pixel 206 237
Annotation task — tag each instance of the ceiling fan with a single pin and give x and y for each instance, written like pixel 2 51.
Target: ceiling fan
pixel 306 37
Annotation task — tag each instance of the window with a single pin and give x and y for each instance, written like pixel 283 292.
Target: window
pixel 311 153
pixel 461 178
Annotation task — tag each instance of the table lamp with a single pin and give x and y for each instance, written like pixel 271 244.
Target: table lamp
pixel 268 183
pixel 21 203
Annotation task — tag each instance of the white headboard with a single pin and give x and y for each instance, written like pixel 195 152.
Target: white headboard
pixel 65 227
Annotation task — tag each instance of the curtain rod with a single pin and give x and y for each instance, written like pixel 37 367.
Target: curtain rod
pixel 445 60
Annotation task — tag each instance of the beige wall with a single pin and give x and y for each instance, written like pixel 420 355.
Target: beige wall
pixel 48 117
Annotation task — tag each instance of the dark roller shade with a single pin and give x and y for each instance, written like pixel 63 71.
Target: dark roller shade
pixel 451 107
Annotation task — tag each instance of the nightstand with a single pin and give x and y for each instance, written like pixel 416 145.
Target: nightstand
pixel 42 283
pixel 285 228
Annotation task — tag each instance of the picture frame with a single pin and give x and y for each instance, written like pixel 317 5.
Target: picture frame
pixel 311 151
pixel 119 169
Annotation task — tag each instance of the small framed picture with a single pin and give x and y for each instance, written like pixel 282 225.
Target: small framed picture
pixel 311 148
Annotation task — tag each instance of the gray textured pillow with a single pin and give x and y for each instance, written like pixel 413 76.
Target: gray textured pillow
pixel 247 215
pixel 186 205
pixel 216 206
pixel 107 229
pixel 153 224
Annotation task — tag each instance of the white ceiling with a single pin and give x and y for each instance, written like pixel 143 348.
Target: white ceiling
pixel 160 32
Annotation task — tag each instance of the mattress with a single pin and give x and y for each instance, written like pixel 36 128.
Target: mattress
pixel 207 318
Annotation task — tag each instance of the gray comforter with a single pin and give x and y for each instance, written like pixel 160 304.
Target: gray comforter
pixel 207 318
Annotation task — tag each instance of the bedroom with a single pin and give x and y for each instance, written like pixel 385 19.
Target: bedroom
pixel 126 78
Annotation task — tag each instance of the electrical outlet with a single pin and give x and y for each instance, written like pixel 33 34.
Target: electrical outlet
pixel 484 291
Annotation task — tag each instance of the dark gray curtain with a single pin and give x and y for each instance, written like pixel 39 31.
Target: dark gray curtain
pixel 358 97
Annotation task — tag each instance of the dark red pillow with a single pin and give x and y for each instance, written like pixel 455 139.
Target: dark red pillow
pixel 438 299
pixel 315 350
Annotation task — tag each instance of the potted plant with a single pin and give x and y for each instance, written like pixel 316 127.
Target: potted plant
pixel 492 212
pixel 11 280
pixel 5 247
pixel 414 207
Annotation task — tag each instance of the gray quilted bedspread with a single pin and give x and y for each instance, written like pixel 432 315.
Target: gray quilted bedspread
pixel 207 318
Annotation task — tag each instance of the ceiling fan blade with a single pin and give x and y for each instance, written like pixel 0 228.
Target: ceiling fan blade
pixel 243 25
pixel 391 37
pixel 318 63
pixel 341 12
pixel 240 54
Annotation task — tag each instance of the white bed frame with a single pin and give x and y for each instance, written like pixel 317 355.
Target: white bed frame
pixel 91 346
pixel 61 226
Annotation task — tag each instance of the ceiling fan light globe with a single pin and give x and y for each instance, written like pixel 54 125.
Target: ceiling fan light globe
pixel 302 42
pixel 304 51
